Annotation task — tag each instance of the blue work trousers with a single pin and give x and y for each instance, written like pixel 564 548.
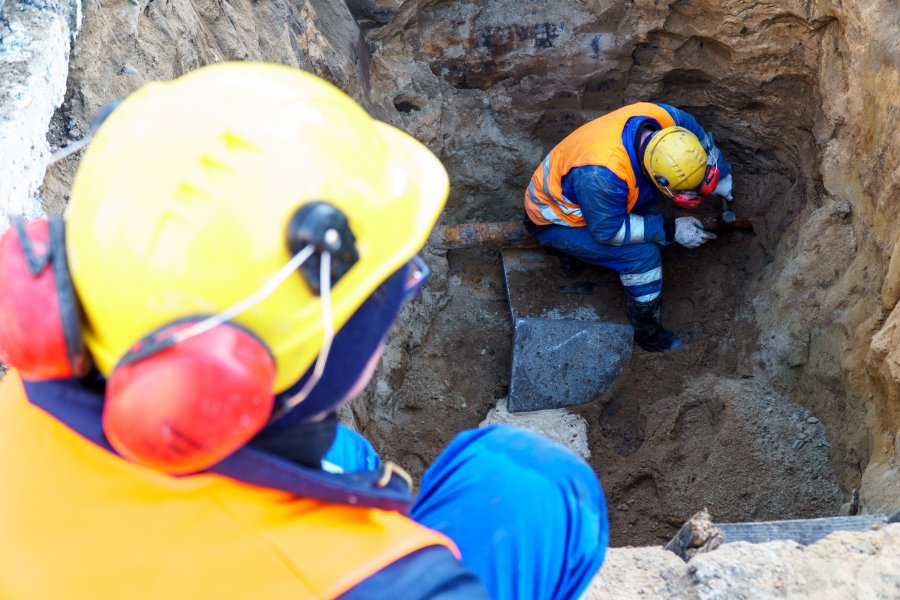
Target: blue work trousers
pixel 639 265
pixel 528 515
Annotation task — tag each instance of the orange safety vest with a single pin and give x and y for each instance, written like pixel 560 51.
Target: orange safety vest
pixel 77 521
pixel 598 142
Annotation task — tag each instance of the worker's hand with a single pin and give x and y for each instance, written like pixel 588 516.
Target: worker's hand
pixel 724 188
pixel 689 232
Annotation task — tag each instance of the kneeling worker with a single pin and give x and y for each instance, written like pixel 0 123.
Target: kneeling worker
pixel 594 197
pixel 237 245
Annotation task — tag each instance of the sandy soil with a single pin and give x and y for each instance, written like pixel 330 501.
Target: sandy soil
pixel 680 431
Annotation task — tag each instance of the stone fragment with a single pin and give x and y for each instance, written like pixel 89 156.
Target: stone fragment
pixel 557 424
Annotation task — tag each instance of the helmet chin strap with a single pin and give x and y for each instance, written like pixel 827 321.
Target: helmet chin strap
pixel 327 339
pixel 645 135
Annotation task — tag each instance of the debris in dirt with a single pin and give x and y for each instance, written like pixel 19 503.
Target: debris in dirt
pixel 850 508
pixel 696 536
pixel 699 446
pixel 812 420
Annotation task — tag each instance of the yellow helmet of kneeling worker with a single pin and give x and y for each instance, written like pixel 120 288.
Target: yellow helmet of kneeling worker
pixel 182 201
pixel 675 160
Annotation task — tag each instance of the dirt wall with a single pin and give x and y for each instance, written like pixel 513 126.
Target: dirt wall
pixel 798 94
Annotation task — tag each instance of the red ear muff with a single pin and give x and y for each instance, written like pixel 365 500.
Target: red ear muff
pixel 686 199
pixel 707 187
pixel 710 181
pixel 39 313
pixel 188 405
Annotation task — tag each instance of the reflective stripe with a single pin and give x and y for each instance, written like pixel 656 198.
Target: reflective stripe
pixel 637 229
pixel 570 210
pixel 648 297
pixel 546 166
pixel 633 279
pixel 551 216
pixel 634 223
pixel 619 238
pixel 546 211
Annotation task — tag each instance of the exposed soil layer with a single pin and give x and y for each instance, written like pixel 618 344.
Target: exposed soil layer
pixel 681 430
pixel 793 326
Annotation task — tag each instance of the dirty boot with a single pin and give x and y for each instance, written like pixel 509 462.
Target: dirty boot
pixel 649 334
pixel 569 266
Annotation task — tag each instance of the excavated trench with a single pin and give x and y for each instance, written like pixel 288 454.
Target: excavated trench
pixel 753 419
pixel 785 395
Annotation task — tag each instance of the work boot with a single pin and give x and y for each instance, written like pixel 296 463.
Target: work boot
pixel 649 334
pixel 569 266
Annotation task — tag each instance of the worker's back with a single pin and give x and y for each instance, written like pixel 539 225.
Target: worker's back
pixel 79 521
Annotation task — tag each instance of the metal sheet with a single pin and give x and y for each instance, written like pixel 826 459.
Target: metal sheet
pixel 802 531
pixel 570 334
pixel 563 362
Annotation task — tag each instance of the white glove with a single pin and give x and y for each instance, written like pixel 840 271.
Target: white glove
pixel 689 232
pixel 724 188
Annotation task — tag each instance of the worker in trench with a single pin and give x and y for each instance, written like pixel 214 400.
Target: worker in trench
pixel 595 197
pixel 237 244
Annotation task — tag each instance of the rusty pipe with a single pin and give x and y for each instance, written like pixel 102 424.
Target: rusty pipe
pixel 504 234
pixel 512 234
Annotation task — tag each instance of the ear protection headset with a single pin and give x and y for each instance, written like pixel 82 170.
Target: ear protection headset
pixel 692 198
pixel 39 320
pixel 193 391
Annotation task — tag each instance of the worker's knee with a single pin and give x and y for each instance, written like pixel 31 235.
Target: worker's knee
pixel 508 496
pixel 503 446
pixel 644 257
pixel 512 471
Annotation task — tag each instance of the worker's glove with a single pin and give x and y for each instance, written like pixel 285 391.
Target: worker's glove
pixel 724 188
pixel 689 232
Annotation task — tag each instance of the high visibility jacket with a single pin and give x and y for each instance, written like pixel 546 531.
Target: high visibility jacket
pixel 597 143
pixel 78 521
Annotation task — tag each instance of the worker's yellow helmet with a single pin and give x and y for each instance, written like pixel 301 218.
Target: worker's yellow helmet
pixel 675 160
pixel 182 202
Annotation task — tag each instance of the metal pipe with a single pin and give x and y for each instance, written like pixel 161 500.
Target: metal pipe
pixel 512 234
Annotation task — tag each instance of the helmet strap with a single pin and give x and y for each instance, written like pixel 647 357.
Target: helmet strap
pixel 641 145
pixel 327 339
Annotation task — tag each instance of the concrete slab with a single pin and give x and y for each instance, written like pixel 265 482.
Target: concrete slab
pixel 564 362
pixel 570 335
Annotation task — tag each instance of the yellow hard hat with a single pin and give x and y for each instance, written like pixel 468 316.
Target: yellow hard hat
pixel 182 202
pixel 675 160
